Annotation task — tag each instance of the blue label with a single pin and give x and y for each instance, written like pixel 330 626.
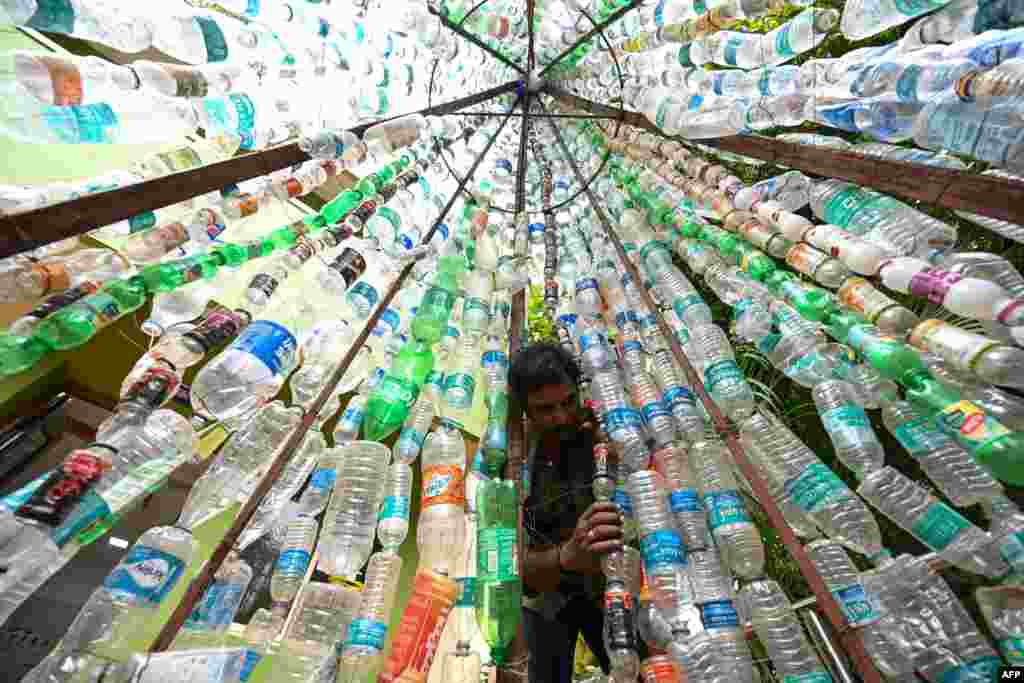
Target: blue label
pixel 725 507
pixel 365 291
pixel 412 435
pixel 815 487
pixel 731 52
pixel 468 592
pixel 252 658
pixel 654 410
pixel 395 507
pixel 272 344
pixel 324 478
pixel 367 633
pixel 783 48
pixel 632 345
pixel 213 37
pixel 56 16
pixel 292 562
pixel 621 498
pixel 685 501
pixel 592 340
pixel 536 228
pixel 981 670
pixel 622 418
pixel 82 124
pixel 662 547
pixel 586 283
pixel 217 607
pixel 719 614
pixel 495 358
pixel 14 500
pixel 389 319
pixel 855 605
pixel 252 8
pixel 678 395
pixel 146 575
pixel 90 509
pixel 504 165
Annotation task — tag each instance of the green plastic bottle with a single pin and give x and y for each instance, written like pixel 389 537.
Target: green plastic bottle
pixel 335 210
pixel 435 308
pixel 388 406
pixel 413 362
pixel 19 353
pixel 499 586
pixel 78 323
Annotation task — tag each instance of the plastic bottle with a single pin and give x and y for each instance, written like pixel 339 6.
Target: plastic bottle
pixel 647 396
pixel 476 311
pixel 208 623
pixel 848 426
pixel 441 524
pixel 350 521
pixel 684 498
pixel 952 469
pixel 778 628
pixel 722 377
pixel 393 523
pixel 292 563
pixel 499 586
pixel 984 357
pixel 461 380
pixel 1003 609
pixel 991 137
pixel 178 306
pixel 363 652
pixel 676 393
pixel 861 296
pixel 415 429
pixel 932 522
pixel 26 281
pixel 423 621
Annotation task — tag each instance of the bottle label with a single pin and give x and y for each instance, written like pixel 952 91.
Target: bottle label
pixel 845 205
pixel 939 526
pixel 476 309
pixel 59 493
pixel 497 359
pixel 855 605
pixel 913 8
pixel 213 36
pixel 680 305
pixel 730 54
pixel 353 415
pixel 679 396
pixel 621 498
pixel 805 258
pixel 622 418
pixel 467 591
pixel 292 562
pixel 719 614
pixel 723 372
pixel 816 487
pixel 217 607
pixel 848 426
pixel 920 438
pixel 56 16
pixel 367 292
pixel 496 554
pixel 619 626
pixel 783 47
pixel 367 633
pixel 252 660
pixel 75 124
pixel 809 677
pixel 264 283
pixel 662 547
pixel 412 435
pixel 323 478
pixel 861 296
pixel 1012 650
pixel 465 384
pixel 270 343
pixel 725 507
pixel 971 426
pixel 958 347
pixel 685 501
pixel 592 340
pixel 1012 550
pixel 932 284
pixel 443 485
pixel 216 329
pixel 981 669
pixel 654 410
pixel 395 507
pixel 146 575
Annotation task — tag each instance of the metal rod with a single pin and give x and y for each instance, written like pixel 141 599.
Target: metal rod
pixel 850 638
pixel 531 55
pixel 457 28
pixel 36 228
pixel 534 114
pixel 953 189
pixel 524 128
pixel 284 453
pixel 615 16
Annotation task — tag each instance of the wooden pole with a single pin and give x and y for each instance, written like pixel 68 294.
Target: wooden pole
pixel 850 638
pixel 284 453
pixel 36 228
pixel 949 188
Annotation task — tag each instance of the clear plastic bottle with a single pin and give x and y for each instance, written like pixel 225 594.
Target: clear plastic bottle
pixel 208 623
pixel 1007 527
pixel 292 563
pixel 441 524
pixel 932 522
pixel 861 296
pixel 620 633
pixel 650 623
pixel 414 431
pixel 647 396
pixel 350 521
pixel 727 516
pixel 461 380
pixel 723 379
pixel 393 523
pixel 984 357
pixel 842 579
pixel 24 281
pixel 676 393
pixel 684 497
pixel 810 484
pixel 663 551
pixel 363 652
pixel 848 426
pixel 1003 609
pixel 952 469
pixel 778 628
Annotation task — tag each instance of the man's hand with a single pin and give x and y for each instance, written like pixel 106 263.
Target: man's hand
pixel 598 532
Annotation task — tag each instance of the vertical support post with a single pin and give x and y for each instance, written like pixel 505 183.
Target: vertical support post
pixel 850 638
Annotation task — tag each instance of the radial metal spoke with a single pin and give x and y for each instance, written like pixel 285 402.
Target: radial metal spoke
pixel 598 27
pixel 531 56
pixel 457 28
pixel 521 170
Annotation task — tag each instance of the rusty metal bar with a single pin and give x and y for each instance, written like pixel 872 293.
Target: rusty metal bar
pixel 850 638
pixel 598 27
pixel 524 128
pixel 284 453
pixel 36 228
pixel 959 190
pixel 531 54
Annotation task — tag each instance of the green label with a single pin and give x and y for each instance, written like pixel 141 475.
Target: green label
pixel 816 487
pixel 680 305
pixel 106 307
pixel 981 669
pixel 213 36
pixel 468 592
pixel 920 437
pixel 939 526
pixel 723 371
pixel 496 554
pixel 725 507
pixel 855 605
pixel 1012 650
pixel 783 48
pixel 913 8
pixel 1012 550
pixel 848 426
pixel 732 48
pixel 810 677
pixel 841 208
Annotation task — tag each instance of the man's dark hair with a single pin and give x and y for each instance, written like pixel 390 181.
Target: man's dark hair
pixel 540 365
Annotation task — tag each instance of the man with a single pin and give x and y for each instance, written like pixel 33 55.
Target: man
pixel 567 532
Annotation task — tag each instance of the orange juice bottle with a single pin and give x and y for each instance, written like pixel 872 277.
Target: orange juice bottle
pixel 415 642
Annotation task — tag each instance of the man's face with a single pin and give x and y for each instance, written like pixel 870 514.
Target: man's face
pixel 553 407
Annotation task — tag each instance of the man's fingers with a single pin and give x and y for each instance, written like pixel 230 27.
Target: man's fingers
pixel 604 506
pixel 598 518
pixel 605 547
pixel 603 532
